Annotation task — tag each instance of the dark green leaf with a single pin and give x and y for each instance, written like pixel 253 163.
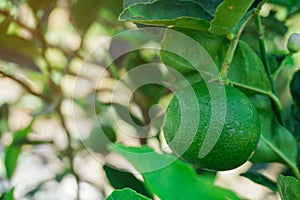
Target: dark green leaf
pixel 126 194
pixel 37 5
pixel 121 179
pixel 185 14
pixel 168 177
pixel 4 118
pixel 292 5
pixel 84 13
pixel 4 26
pixel 11 159
pixel 20 51
pixel 261 179
pixel 289 188
pixel 227 15
pixel 208 6
pixel 274 137
pixel 247 69
pixel 295 88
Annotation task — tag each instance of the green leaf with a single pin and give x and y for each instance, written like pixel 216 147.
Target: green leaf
pixel 84 13
pixel 227 15
pixel 22 134
pixel 289 188
pixel 12 151
pixel 204 51
pixel 292 6
pixel 187 51
pixel 260 179
pixel 99 138
pixel 185 14
pixel 11 159
pixel 168 177
pixel 4 118
pixel 37 5
pixel 120 179
pixel 20 51
pixel 9 195
pixel 4 26
pixel 274 138
pixel 126 194
pixel 295 88
pixel 247 69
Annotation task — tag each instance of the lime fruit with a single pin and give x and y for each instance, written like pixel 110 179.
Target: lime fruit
pixel 239 135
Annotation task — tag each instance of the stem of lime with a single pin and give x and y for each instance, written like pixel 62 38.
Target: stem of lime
pixel 265 60
pixel 282 65
pixel 237 31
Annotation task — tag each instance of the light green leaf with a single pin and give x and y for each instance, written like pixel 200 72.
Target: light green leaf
pixel 168 177
pixel 227 15
pixel 11 160
pixel 126 194
pixel 9 195
pixel 12 151
pixel 185 14
pixel 289 188
pixel 21 134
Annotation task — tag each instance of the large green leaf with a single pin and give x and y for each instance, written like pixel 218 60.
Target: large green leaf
pixel 168 177
pixel 186 14
pixel 275 138
pixel 247 69
pixel 289 188
pixel 126 194
pixel 227 15
pixel 120 179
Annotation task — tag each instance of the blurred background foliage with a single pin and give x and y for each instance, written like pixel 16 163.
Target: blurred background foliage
pixel 52 103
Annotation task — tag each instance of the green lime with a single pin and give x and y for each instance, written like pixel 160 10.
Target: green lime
pixel 238 135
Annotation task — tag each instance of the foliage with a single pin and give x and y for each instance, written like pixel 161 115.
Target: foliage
pixel 46 46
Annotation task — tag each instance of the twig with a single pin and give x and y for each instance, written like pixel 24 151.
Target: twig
pixel 70 151
pixel 234 42
pixel 22 83
pixel 265 60
pixel 281 66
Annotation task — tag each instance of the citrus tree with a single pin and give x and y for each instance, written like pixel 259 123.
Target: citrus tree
pixel 163 95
